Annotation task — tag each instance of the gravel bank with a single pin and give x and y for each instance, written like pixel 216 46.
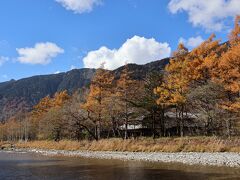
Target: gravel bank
pixel 190 158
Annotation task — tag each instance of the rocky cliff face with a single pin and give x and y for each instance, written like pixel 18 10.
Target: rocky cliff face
pixel 22 95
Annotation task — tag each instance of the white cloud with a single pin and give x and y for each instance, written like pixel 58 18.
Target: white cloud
pixel 209 14
pixel 57 72
pixel 3 59
pixel 135 50
pixel 41 53
pixel 192 42
pixel 79 6
pixel 73 67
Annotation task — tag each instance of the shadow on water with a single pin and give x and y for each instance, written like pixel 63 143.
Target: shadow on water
pixel 34 166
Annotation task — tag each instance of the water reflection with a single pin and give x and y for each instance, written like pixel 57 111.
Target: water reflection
pixel 34 166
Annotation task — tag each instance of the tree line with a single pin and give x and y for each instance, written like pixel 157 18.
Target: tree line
pixel 198 88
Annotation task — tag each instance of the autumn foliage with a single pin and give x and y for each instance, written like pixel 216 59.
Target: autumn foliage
pixel 209 62
pixel 197 94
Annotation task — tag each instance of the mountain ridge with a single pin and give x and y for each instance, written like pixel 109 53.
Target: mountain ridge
pixel 21 95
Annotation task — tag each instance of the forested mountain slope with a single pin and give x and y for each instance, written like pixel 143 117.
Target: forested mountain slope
pixel 21 95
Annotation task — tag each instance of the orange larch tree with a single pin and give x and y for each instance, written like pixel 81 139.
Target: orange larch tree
pixel 229 74
pixel 229 66
pixel 173 91
pixel 126 91
pixel 203 60
pixel 44 106
pixel 99 91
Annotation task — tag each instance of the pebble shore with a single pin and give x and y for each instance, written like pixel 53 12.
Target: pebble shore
pixel 190 158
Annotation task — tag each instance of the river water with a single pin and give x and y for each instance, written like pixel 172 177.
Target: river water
pixel 35 166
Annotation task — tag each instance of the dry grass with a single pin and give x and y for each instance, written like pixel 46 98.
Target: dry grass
pixel 188 144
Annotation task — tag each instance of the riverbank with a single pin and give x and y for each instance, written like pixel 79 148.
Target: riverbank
pixel 188 158
pixel 186 144
pixel 195 150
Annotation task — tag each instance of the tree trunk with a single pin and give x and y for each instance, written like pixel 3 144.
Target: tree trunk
pixel 126 130
pixel 98 130
pixel 181 119
pixel 153 126
pixel 163 129
pixel 228 128
pixel 126 120
pixel 113 126
pixel 181 128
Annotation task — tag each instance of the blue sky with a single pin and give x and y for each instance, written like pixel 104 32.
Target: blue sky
pixel 50 36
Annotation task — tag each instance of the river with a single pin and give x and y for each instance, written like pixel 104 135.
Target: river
pixel 17 165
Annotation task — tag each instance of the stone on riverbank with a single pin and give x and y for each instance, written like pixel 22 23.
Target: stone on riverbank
pixel 191 158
